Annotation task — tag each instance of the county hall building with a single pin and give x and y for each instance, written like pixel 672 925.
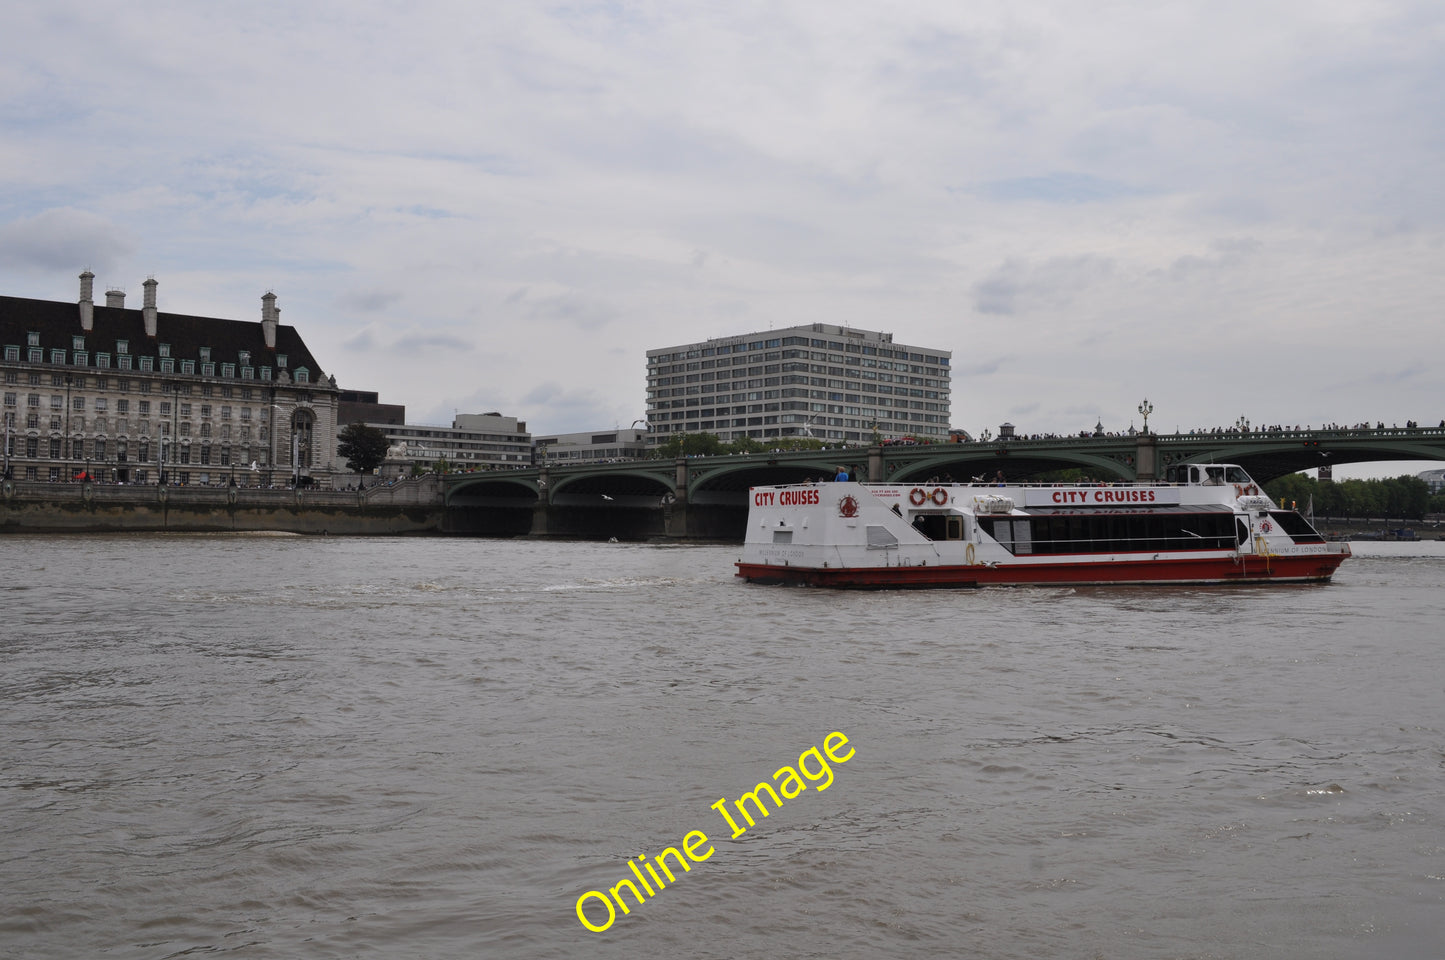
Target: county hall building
pixel 125 395
pixel 834 383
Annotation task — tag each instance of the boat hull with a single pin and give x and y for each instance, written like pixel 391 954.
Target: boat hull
pixel 1313 568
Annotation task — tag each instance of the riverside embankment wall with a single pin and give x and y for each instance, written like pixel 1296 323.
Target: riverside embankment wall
pixel 409 506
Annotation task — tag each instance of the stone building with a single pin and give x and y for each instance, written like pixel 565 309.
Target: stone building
pixel 131 396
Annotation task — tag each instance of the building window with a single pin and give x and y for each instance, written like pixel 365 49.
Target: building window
pixel 12 354
pixel 168 366
pixel 32 339
pixel 205 354
pixel 281 360
pixel 303 375
pixel 245 358
pixel 147 364
pixel 57 356
pixel 228 369
pixel 188 366
pixel 164 349
pixel 208 369
pixel 122 347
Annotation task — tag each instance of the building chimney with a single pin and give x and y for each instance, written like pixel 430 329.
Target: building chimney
pixel 115 298
pixel 148 311
pixel 87 305
pixel 269 315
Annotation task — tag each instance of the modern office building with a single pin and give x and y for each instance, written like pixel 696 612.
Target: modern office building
pixel 599 447
pixel 487 441
pixel 365 406
pixel 817 380
pixel 116 394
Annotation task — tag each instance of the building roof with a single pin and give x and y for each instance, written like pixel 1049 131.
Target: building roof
pixel 58 322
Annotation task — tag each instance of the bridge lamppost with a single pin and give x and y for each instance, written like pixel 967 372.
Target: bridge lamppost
pixel 1146 408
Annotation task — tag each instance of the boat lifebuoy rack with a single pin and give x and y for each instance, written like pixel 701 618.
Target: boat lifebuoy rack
pixel 917 497
pixel 939 496
pixel 1246 490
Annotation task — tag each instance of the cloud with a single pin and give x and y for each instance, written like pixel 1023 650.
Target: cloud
pixel 64 238
pixel 374 301
pixel 1018 286
pixel 1058 188
pixel 572 309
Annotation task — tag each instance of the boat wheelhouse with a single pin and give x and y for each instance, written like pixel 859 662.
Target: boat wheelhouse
pixel 1204 523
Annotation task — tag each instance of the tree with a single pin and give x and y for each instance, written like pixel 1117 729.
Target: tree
pixel 363 447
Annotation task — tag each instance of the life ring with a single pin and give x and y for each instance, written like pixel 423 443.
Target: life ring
pixel 940 496
pixel 969 557
pixel 917 497
pixel 1245 490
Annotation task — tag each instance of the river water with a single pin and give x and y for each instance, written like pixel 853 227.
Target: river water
pixel 272 746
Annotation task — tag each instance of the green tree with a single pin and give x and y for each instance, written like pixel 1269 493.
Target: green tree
pixel 362 447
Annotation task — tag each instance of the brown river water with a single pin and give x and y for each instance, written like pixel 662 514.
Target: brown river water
pixel 270 746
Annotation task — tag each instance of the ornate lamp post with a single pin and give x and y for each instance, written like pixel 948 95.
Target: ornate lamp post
pixel 1145 409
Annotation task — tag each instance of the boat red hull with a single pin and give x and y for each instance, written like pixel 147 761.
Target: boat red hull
pixel 1228 569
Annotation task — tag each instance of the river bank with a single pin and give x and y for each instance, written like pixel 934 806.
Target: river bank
pixel 411 506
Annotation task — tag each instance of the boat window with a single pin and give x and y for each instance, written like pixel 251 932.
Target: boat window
pixel 880 537
pixel 1113 533
pixel 955 528
pixel 1236 475
pixel 1241 530
pixel 1215 474
pixel 1023 537
pixel 1296 526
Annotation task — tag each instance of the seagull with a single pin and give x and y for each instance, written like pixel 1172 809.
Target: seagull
pixel 606 497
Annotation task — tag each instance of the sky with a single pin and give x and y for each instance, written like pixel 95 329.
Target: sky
pixel 1230 209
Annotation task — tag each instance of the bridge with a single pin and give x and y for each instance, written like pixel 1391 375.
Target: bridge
pixel 706 497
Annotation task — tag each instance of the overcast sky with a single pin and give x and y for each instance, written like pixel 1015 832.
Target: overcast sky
pixel 1230 208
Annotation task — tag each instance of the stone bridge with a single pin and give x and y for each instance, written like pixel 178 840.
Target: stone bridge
pixel 706 497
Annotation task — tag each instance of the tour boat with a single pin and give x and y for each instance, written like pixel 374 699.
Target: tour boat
pixel 1205 523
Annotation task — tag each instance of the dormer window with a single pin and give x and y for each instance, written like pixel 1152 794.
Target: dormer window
pixel 245 358
pixel 188 366
pixel 77 343
pixel 303 375
pixel 205 354
pixel 122 347
pixel 265 373
pixel 165 349
pixel 281 360
pixel 32 339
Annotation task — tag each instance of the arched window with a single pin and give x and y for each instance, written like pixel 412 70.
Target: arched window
pixel 301 423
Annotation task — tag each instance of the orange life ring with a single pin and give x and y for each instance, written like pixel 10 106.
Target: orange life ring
pixel 917 497
pixel 940 496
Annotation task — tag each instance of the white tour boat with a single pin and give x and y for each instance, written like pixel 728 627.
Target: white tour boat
pixel 1206 523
